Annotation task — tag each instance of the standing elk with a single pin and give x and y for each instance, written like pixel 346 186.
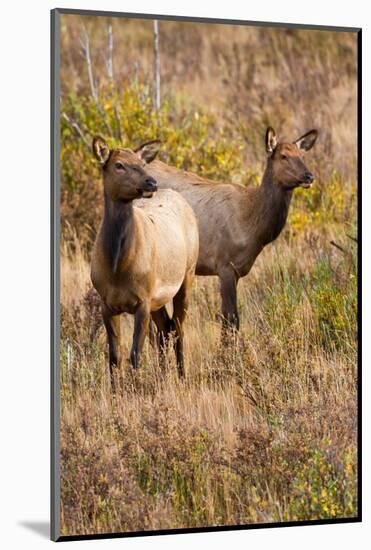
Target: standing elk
pixel 236 222
pixel 145 253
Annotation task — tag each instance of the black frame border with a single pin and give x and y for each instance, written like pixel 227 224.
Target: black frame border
pixel 55 273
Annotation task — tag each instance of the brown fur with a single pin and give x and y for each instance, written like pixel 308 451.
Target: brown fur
pixel 235 222
pixel 145 252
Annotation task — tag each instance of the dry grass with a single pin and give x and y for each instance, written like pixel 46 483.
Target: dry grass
pixel 264 430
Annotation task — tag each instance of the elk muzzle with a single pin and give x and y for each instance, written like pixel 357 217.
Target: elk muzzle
pixel 148 187
pixel 307 180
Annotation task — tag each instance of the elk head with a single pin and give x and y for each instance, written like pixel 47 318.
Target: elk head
pixel 124 174
pixel 286 159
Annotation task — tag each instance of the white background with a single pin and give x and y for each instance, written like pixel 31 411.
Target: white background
pixel 24 271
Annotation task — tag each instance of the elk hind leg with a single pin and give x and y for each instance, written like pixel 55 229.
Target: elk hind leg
pixel 164 326
pixel 181 302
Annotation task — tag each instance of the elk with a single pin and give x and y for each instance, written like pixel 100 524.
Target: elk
pixel 236 222
pixel 145 252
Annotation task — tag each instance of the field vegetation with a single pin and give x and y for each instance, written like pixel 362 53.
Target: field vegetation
pixel 263 430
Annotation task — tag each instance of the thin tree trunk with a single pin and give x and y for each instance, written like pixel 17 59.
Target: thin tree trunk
pixel 109 65
pixel 110 54
pixel 85 44
pixel 156 56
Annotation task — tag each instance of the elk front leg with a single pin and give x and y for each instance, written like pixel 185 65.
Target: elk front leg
pixel 112 324
pixel 141 322
pixel 228 289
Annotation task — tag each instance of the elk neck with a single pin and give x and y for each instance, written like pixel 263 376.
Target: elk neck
pixel 117 230
pixel 271 207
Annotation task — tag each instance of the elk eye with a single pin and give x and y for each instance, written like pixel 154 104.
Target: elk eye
pixel 283 157
pixel 119 166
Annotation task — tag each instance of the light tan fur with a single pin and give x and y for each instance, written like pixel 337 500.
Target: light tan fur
pixel 145 252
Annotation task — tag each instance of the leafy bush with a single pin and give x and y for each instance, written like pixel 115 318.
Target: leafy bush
pixel 191 140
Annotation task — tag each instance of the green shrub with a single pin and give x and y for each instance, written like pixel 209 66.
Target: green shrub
pixel 323 490
pixel 191 140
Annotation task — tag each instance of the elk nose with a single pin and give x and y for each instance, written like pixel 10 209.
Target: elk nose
pixel 308 177
pixel 150 184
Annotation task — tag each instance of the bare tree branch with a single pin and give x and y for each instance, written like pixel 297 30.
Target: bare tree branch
pixel 352 238
pixel 345 251
pixel 77 130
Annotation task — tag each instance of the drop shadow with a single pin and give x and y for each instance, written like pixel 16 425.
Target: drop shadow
pixel 42 528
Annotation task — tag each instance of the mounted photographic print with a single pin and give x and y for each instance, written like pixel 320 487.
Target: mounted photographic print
pixel 205 213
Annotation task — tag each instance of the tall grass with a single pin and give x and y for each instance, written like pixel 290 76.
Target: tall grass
pixel 261 431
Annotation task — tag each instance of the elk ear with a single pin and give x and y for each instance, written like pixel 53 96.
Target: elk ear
pixel 270 140
pixel 149 150
pixel 100 149
pixel 306 142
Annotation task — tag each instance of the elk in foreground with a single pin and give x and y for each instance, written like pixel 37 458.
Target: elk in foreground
pixel 235 222
pixel 145 253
